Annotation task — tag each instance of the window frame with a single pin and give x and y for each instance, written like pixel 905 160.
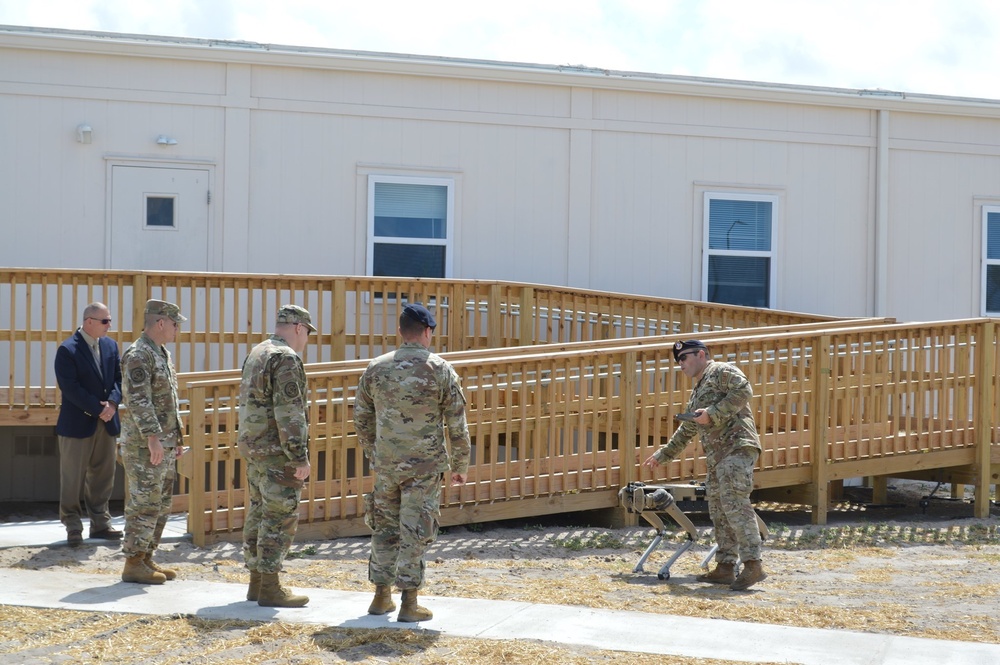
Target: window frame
pixel 447 242
pixel 986 261
pixel 771 254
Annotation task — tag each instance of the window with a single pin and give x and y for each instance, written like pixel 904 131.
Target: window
pixel 991 261
pixel 738 261
pixel 159 211
pixel 410 226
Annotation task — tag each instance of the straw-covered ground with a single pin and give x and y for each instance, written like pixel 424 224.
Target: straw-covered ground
pixel 894 569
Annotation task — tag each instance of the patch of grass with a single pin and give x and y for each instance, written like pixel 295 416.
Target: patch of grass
pixel 880 534
pixel 181 640
pixel 596 541
pixel 389 641
pixel 987 557
pixel 308 550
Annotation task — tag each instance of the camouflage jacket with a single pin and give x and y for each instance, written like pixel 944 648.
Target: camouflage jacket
pixel 273 406
pixel 404 401
pixel 724 392
pixel 149 393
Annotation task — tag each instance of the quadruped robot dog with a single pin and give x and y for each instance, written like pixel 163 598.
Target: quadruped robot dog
pixel 648 500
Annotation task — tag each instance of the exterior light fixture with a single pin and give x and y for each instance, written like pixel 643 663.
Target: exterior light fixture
pixel 163 139
pixel 84 134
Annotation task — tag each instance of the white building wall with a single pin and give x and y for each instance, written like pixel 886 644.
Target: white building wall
pixel 57 188
pixel 561 177
pixel 944 169
pixel 936 231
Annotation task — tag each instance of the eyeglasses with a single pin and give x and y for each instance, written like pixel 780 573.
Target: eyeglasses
pixel 104 321
pixel 682 357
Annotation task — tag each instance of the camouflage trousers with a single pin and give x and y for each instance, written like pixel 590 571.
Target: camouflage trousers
pixel 405 524
pixel 272 517
pixel 150 493
pixel 727 490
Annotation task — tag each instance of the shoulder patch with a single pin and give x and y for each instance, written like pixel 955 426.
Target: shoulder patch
pixel 137 375
pixel 291 390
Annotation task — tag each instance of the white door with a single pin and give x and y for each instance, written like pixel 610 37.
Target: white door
pixel 160 218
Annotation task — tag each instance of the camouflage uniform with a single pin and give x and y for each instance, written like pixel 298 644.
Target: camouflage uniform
pixel 273 434
pixel 404 400
pixel 731 448
pixel 149 392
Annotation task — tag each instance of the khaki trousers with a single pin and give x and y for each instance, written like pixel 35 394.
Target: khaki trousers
pixel 87 477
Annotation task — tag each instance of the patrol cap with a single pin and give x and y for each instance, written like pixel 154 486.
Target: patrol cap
pixel 681 347
pixel 164 308
pixel 295 314
pixel 420 314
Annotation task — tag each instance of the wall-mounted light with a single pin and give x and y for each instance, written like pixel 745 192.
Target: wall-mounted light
pixel 163 139
pixel 84 134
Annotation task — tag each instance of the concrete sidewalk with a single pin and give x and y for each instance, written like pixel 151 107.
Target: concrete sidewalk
pixel 484 619
pixel 52 532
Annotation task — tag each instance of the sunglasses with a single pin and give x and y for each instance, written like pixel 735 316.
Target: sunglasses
pixel 682 356
pixel 104 321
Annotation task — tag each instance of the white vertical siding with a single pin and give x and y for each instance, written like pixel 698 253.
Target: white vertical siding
pixel 594 182
pixel 936 232
pixel 827 230
pixel 55 187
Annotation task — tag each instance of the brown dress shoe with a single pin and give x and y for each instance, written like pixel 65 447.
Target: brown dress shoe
pixel 74 537
pixel 109 533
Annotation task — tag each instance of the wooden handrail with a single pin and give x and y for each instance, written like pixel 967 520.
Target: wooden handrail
pixel 228 313
pixel 567 388
pixel 550 422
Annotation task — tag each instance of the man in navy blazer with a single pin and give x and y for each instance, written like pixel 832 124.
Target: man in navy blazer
pixel 89 373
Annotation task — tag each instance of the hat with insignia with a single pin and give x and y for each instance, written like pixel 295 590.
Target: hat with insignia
pixel 681 347
pixel 420 314
pixel 164 308
pixel 292 314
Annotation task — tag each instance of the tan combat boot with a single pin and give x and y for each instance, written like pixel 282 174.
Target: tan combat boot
pixel 272 594
pixel 169 573
pixel 410 611
pixel 753 572
pixel 253 591
pixel 137 571
pixel 382 604
pixel 724 573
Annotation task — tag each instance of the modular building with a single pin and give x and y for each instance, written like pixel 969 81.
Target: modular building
pixel 142 152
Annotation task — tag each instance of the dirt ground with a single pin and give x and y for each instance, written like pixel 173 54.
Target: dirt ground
pixel 897 569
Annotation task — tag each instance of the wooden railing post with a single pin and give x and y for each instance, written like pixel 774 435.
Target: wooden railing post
pixel 526 317
pixel 688 318
pixel 986 367
pixel 140 294
pixel 197 442
pixel 338 321
pixel 819 409
pixel 494 324
pixel 629 429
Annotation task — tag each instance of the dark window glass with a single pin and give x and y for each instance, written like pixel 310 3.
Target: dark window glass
pixel 393 260
pixel 159 211
pixel 993 236
pixel 739 280
pixel 993 288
